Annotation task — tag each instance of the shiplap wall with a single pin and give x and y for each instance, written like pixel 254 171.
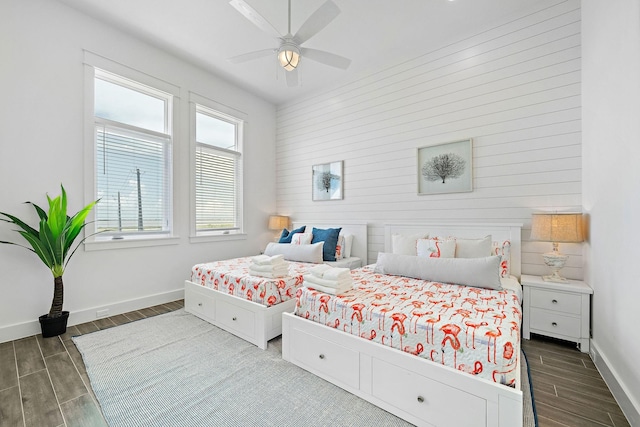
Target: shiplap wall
pixel 514 88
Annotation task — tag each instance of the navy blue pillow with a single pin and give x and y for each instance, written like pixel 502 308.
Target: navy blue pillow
pixel 330 238
pixel 286 235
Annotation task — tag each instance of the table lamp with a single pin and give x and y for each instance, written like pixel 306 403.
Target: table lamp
pixel 556 228
pixel 278 222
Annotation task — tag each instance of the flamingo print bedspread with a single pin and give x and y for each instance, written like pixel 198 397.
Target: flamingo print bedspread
pixel 470 329
pixel 232 277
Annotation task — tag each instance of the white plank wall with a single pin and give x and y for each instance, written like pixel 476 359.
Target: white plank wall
pixel 514 88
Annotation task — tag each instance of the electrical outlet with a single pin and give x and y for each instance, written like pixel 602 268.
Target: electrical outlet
pixel 102 313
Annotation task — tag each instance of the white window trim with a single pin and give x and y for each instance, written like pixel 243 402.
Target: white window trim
pixel 91 62
pixel 147 241
pixel 234 116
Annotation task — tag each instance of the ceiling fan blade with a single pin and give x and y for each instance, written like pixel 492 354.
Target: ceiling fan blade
pixel 253 16
pixel 292 78
pixel 251 56
pixel 317 21
pixel 326 58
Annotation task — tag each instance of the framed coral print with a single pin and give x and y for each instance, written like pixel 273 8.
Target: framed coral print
pixel 327 181
pixel 445 168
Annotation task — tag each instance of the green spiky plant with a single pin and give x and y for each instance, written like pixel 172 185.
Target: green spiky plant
pixel 53 240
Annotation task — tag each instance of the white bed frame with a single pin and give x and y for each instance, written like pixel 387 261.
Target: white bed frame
pixel 415 389
pixel 251 321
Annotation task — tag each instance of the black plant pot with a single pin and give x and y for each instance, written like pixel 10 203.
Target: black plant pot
pixel 53 326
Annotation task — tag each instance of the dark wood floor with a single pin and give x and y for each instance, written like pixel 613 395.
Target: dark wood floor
pixel 43 381
pixel 568 388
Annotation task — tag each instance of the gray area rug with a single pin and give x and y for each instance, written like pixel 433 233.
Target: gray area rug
pixel 178 370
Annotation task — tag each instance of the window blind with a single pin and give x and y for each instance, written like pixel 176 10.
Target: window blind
pixel 216 189
pixel 132 178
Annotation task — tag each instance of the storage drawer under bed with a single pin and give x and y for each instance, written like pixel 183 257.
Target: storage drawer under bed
pixel 425 398
pixel 328 358
pixel 198 302
pixel 236 319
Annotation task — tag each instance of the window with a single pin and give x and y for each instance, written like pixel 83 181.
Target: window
pixel 218 166
pixel 133 141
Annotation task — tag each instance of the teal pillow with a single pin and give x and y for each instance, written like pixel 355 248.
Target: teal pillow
pixel 286 235
pixel 330 238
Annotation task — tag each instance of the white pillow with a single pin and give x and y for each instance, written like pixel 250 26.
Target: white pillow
pixel 301 238
pixel 476 272
pixel 436 248
pixel 406 244
pixel 340 247
pixel 473 248
pixel 348 244
pixel 503 250
pixel 302 253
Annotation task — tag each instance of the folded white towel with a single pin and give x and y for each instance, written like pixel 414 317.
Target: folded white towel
pixel 268 275
pixel 336 273
pixel 328 283
pixel 327 290
pixel 319 270
pixel 268 260
pixel 271 268
pixel 261 259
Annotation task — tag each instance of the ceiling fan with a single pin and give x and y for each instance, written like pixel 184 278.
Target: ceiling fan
pixel 290 50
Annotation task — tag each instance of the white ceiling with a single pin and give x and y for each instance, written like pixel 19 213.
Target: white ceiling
pixel 374 34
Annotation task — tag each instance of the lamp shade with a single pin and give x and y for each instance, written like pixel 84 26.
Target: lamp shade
pixel 278 222
pixel 557 227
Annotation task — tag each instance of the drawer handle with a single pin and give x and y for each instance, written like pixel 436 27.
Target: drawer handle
pixel 234 318
pixel 555 301
pixel 420 399
pixel 554 324
pixel 321 356
pixel 199 304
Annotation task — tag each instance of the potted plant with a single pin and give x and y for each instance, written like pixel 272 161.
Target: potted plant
pixel 52 241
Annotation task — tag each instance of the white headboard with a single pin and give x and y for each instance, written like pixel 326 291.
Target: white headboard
pixel 498 232
pixel 358 229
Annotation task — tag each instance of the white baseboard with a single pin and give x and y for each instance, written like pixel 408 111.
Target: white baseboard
pixel 26 329
pixel 620 391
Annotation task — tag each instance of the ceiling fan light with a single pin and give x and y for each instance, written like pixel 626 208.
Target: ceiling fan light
pixel 289 59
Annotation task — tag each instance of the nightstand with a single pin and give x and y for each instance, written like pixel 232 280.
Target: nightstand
pixel 559 310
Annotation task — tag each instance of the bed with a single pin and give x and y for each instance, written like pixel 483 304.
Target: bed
pixel 410 385
pixel 239 308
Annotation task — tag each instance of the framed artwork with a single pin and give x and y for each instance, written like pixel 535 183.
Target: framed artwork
pixel 445 168
pixel 326 181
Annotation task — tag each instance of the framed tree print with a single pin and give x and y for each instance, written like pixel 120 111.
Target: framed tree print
pixel 445 168
pixel 326 181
